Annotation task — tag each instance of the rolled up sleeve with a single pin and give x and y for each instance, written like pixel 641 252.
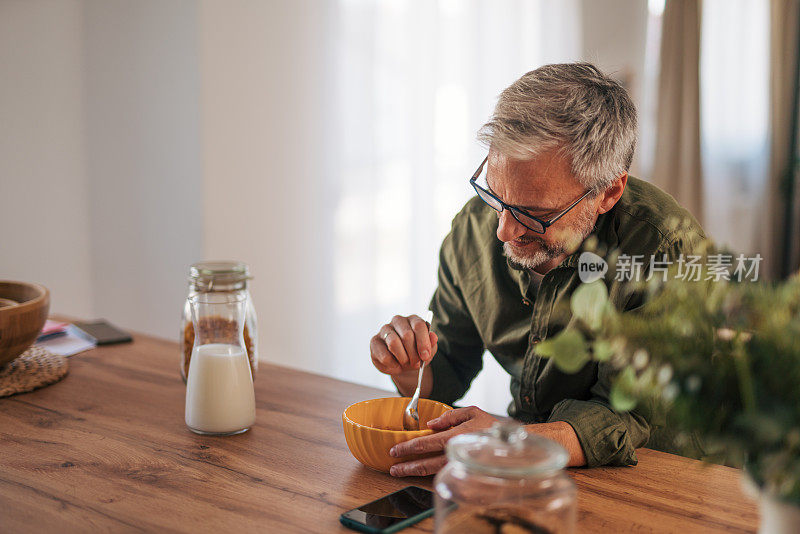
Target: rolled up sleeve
pixel 607 437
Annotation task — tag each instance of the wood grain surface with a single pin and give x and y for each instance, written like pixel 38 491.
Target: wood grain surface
pixel 106 449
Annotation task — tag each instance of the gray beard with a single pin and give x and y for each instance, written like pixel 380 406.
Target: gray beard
pixel 546 250
pixel 531 261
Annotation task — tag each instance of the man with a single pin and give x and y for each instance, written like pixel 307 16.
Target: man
pixel 560 141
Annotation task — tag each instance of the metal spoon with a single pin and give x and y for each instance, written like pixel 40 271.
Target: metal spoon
pixel 411 415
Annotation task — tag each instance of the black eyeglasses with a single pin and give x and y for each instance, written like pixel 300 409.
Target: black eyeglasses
pixel 527 220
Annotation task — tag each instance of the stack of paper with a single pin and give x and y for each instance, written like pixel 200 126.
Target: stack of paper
pixel 66 340
pixel 52 329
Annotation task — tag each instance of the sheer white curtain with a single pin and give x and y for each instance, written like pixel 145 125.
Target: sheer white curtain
pixel 734 105
pixel 415 80
pixel 734 72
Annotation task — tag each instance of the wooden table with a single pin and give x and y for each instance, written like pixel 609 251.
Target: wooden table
pixel 106 449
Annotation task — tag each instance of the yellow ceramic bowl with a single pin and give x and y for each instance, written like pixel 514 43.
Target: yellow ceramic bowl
pixel 372 427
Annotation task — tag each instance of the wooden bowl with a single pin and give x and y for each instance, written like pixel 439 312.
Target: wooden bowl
pixel 372 427
pixel 23 311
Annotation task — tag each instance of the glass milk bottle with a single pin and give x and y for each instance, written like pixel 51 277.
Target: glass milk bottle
pixel 219 389
pixel 504 479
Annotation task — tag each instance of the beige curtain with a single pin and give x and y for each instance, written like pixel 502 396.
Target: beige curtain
pixel 780 232
pixel 677 165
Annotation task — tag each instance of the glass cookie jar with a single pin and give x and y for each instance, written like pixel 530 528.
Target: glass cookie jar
pixel 505 479
pixel 219 277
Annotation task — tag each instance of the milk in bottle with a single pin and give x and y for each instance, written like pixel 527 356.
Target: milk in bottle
pixel 219 388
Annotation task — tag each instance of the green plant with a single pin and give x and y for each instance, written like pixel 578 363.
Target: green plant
pixel 720 360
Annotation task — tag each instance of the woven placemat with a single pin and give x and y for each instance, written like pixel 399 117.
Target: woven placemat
pixel 34 368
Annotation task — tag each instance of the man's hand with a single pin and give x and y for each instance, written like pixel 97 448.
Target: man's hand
pixel 402 345
pixel 399 349
pixel 449 424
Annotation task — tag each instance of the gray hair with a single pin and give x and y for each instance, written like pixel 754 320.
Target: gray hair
pixel 575 107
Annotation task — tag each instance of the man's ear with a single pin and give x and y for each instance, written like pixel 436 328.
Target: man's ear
pixel 610 196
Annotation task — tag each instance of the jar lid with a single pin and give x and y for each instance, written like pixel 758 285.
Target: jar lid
pixel 507 450
pixel 222 271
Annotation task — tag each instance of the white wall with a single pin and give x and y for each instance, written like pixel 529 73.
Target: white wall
pixel 144 163
pixel 44 208
pixel 264 113
pixel 614 37
pixel 100 168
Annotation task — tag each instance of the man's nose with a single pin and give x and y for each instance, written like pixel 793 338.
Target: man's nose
pixel 508 228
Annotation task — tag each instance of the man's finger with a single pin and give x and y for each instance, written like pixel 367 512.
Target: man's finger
pixel 392 340
pixel 452 418
pixel 418 468
pixel 382 359
pixel 422 445
pixel 421 336
pixel 407 337
pixel 434 343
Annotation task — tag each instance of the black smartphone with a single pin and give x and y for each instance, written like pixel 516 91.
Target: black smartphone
pixel 104 332
pixel 391 513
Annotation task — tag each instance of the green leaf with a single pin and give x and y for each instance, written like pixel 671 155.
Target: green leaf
pixel 589 303
pixel 603 350
pixel 623 391
pixel 568 349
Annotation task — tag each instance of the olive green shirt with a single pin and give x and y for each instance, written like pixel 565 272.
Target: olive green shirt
pixel 483 302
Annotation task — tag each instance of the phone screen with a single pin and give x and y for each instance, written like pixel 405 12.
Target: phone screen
pixel 393 508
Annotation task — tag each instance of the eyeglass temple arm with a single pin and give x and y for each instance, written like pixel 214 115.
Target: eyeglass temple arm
pixel 480 168
pixel 557 217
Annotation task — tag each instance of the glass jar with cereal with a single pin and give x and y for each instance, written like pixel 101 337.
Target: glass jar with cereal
pixel 504 479
pixel 219 277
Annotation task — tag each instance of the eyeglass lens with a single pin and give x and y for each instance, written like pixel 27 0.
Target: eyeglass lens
pixel 525 220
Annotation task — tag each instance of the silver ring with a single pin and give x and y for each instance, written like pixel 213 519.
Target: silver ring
pixel 386 335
